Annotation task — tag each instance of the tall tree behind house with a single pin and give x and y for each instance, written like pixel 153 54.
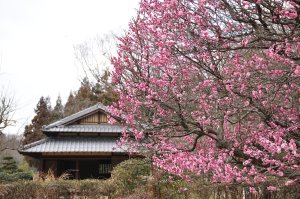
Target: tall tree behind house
pixel 80 99
pixel 94 56
pixel 104 90
pixel 58 111
pixel 90 93
pixel 33 131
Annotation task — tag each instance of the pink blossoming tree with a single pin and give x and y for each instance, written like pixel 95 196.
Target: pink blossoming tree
pixel 211 87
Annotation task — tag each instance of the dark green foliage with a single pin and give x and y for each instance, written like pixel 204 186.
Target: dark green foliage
pixel 5 177
pixel 10 172
pixel 9 165
pixel 22 176
pixel 11 177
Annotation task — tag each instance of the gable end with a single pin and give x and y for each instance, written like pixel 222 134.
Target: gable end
pixel 96 118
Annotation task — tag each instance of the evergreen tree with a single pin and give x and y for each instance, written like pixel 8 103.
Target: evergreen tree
pixel 70 105
pixel 9 165
pixel 58 111
pixel 103 89
pixel 33 131
pixel 89 93
pixel 81 99
pixel 85 89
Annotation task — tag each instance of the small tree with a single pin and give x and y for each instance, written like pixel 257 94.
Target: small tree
pixel 7 108
pixel 9 165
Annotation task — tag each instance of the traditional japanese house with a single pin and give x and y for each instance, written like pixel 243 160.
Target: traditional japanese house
pixel 83 144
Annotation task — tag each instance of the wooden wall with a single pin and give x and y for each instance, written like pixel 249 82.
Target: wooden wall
pixel 96 118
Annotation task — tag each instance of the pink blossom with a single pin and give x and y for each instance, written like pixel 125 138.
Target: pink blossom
pixel 253 190
pixel 210 95
pixel 272 188
pixel 297 70
pixel 291 182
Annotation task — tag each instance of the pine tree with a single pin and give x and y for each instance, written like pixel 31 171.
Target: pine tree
pixel 58 111
pixel 9 165
pixel 33 131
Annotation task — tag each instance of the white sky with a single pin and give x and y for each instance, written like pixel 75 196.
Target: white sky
pixel 36 46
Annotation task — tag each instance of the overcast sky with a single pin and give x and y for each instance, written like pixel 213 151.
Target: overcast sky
pixel 36 46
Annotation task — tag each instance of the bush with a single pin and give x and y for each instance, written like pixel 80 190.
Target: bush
pixel 131 180
pixel 164 186
pixel 22 176
pixel 9 165
pixel 54 189
pixel 7 177
pixel 130 174
pixel 24 166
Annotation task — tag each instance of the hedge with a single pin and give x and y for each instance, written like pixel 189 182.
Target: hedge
pixel 6 177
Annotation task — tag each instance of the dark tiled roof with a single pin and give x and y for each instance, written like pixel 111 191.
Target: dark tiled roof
pixel 88 128
pixel 75 144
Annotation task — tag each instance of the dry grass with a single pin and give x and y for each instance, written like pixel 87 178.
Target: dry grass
pixel 49 176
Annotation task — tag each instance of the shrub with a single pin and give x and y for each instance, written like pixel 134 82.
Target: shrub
pixel 7 177
pixel 22 176
pixel 9 165
pixel 130 174
pixel 24 166
pixel 166 188
pixel 54 189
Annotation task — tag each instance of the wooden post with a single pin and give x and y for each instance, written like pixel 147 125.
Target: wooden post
pixel 77 170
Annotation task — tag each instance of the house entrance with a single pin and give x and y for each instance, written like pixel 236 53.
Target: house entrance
pixel 85 169
pixel 67 166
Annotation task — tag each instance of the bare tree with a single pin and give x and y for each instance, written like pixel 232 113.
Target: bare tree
pixel 7 108
pixel 94 55
pixel 94 58
pixel 9 145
